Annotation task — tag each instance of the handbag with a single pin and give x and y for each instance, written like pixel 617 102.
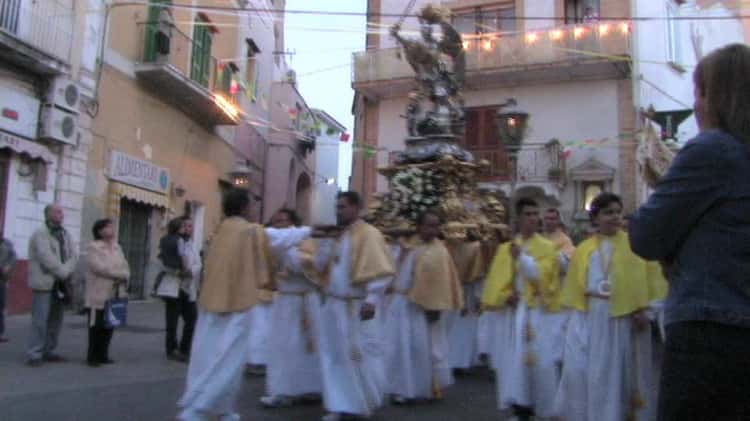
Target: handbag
pixel 116 311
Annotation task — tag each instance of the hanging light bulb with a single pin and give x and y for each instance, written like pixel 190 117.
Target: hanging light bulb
pixel 532 37
pixel 579 32
pixel 466 45
pixel 556 34
pixel 604 29
pixel 487 45
pixel 625 28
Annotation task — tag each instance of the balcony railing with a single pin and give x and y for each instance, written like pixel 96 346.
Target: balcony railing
pixel 168 68
pixel 564 45
pixel 537 162
pixel 44 25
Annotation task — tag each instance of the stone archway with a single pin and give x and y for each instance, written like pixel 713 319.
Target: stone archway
pixel 303 196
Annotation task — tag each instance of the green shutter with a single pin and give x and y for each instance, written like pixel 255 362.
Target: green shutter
pixel 200 68
pixel 152 27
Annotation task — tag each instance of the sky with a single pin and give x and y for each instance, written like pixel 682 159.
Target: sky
pixel 323 55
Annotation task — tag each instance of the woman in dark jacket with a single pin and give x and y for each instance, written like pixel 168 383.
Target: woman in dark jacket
pixel 697 222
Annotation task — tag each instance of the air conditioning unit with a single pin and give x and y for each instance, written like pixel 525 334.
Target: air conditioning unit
pixel 58 125
pixel 64 94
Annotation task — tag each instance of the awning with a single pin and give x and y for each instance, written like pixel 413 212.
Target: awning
pixel 22 146
pixel 119 191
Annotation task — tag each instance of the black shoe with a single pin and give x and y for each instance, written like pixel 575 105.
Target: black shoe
pixel 177 356
pixel 54 358
pixel 107 361
pixel 34 362
pixel 93 363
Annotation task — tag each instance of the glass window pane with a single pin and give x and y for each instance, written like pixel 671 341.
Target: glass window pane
pixel 590 193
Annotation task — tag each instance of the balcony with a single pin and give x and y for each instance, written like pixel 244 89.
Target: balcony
pixel 36 35
pixel 538 163
pixel 168 71
pixel 565 53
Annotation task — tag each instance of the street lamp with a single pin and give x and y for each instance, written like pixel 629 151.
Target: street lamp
pixel 511 126
pixel 240 175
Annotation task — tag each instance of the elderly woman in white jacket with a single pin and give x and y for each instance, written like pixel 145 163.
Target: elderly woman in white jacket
pixel 107 273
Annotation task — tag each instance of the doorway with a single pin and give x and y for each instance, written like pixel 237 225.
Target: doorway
pixel 133 234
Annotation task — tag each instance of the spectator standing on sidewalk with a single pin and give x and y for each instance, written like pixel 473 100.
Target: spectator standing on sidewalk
pixel 107 273
pixel 697 222
pixel 177 285
pixel 52 260
pixel 7 263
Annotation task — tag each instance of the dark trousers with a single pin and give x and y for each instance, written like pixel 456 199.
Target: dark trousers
pixel 176 308
pixel 99 339
pixel 705 373
pixel 3 286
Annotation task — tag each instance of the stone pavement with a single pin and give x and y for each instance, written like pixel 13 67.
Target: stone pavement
pixel 144 386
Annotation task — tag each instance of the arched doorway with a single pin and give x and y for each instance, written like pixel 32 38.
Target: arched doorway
pixel 302 198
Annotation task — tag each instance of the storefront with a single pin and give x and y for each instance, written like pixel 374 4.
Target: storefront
pixel 138 201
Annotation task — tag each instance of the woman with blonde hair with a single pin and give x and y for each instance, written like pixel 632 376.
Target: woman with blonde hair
pixel 697 222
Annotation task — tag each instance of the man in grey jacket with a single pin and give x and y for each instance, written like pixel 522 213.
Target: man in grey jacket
pixel 7 263
pixel 52 260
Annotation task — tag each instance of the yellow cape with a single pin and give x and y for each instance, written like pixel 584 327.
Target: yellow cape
pixel 468 260
pixel 436 284
pixel 371 256
pixel 635 282
pixel 501 277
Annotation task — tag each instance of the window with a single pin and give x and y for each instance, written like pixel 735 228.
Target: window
pixel 489 18
pixel 590 191
pixel 251 70
pixel 482 139
pixel 158 29
pixel 674 34
pixel 577 11
pixel 200 69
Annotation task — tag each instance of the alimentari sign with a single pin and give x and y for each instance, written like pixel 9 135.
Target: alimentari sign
pixel 138 172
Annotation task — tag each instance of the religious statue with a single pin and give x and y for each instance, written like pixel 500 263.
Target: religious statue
pixel 439 81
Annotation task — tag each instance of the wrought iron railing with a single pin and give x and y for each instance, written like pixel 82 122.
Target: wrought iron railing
pixel 46 25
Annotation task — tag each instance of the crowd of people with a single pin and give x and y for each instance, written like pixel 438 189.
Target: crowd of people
pixel 351 317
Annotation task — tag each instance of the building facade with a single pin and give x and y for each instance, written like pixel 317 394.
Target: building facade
pixel 47 70
pixel 584 75
pixel 329 152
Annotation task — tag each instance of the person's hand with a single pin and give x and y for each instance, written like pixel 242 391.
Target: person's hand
pixel 640 321
pixel 515 250
pixel 367 312
pixel 432 316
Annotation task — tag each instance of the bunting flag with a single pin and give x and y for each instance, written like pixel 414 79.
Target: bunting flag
pixel 344 137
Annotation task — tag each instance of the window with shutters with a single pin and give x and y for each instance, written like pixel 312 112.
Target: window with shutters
pixel 200 69
pixel 483 140
pixel 251 71
pixel 578 11
pixel 489 18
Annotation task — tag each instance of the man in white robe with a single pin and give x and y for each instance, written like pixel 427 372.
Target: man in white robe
pixel 426 288
pixel 239 263
pixel 293 369
pixel 359 268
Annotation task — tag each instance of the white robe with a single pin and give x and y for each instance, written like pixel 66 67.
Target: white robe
pixel 463 331
pixel 606 361
pixel 258 346
pixel 417 349
pixel 352 351
pixel 293 366
pixel 520 383
pixel 219 349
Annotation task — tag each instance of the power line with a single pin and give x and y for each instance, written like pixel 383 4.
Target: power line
pixel 243 11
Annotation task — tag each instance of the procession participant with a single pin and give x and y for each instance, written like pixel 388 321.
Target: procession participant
pixel 553 231
pixel 463 323
pixel 607 371
pixel 359 267
pixel 424 290
pixel 239 263
pixel 523 285
pixel 488 318
pixel 293 370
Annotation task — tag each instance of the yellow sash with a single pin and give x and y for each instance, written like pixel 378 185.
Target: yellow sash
pixel 500 279
pixel 635 282
pixel 436 285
